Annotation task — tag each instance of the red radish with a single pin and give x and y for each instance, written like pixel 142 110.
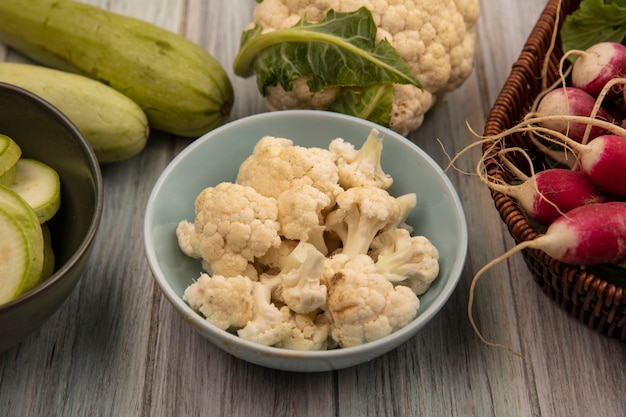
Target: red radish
pixel 598 65
pixel 575 102
pixel 603 161
pixel 551 193
pixel 593 234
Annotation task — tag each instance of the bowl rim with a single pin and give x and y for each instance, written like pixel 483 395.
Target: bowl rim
pixel 387 342
pixel 94 223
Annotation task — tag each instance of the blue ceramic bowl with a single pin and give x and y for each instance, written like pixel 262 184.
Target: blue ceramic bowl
pixel 216 156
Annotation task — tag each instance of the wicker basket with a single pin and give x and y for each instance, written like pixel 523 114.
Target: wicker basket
pixel 590 298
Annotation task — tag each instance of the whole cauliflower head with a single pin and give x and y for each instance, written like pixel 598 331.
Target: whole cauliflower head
pixel 436 39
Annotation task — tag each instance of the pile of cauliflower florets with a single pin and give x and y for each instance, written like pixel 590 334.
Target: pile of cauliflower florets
pixel 307 250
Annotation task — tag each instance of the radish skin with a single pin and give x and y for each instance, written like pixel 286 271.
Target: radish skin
pixel 603 161
pixel 593 234
pixel 575 102
pixel 551 193
pixel 597 65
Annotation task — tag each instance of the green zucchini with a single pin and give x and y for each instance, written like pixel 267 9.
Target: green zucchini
pixel 114 125
pixel 181 87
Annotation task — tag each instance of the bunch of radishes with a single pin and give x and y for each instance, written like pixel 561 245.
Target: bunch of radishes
pixel 582 125
pixel 580 205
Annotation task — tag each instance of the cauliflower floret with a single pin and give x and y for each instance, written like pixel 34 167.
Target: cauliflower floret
pixel 233 225
pixel 360 214
pixel 299 284
pixel 303 290
pixel 277 165
pixel 404 259
pixel 361 167
pixel 364 306
pixel 333 264
pixel 407 203
pixel 275 257
pixel 308 333
pixel 225 302
pixel 436 39
pixel 269 325
pixel 300 214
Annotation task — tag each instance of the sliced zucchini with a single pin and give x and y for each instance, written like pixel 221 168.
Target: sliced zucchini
pixel 39 185
pixel 48 254
pixel 10 153
pixel 21 246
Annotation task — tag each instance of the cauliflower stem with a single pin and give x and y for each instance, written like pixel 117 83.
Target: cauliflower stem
pixel 301 276
pixel 362 212
pixel 361 167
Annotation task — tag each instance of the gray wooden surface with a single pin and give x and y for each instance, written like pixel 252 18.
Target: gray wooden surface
pixel 117 348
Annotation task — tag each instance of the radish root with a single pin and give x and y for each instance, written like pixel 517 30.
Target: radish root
pixel 470 304
pixel 546 62
pixel 530 125
pixel 510 166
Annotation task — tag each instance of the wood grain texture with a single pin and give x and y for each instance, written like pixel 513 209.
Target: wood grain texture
pixel 117 348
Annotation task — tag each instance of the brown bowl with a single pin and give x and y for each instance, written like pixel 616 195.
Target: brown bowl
pixel 589 297
pixel 47 135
